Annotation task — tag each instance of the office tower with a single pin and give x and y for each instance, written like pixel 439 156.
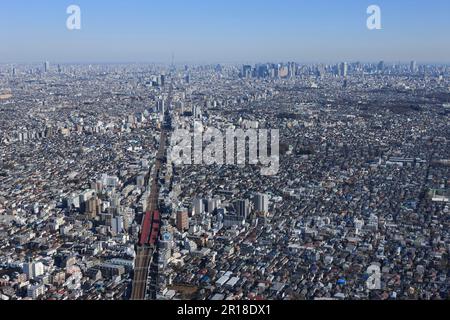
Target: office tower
pixel 263 71
pixel 33 270
pixel 413 67
pixel 83 199
pixel 198 206
pixel 261 202
pixel 381 66
pixel 13 71
pixel 46 66
pixel 182 221
pixel 320 70
pixel 93 207
pixel 275 71
pixel 197 112
pixel 160 106
pixel 117 225
pixel 210 205
pixel 272 73
pixel 343 69
pixel 162 80
pixel 246 71
pixel 242 208
pixel 292 69
pixel 187 78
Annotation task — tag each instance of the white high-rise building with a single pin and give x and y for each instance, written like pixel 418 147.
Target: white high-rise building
pixel 210 205
pixel 198 206
pixel 117 225
pixel 413 67
pixel 33 270
pixel 197 112
pixel 261 202
pixel 160 106
pixel 343 69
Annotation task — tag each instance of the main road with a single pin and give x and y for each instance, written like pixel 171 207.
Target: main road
pixel 145 254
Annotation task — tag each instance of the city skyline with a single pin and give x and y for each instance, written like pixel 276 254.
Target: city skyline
pixel 231 32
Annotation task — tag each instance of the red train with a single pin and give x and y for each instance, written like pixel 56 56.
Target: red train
pixel 150 228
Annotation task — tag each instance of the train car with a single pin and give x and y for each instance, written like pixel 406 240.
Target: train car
pixel 156 217
pixel 146 228
pixel 154 234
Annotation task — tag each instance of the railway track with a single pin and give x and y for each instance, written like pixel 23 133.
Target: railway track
pixel 145 254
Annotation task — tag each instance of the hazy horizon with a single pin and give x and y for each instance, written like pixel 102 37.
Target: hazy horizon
pixel 231 63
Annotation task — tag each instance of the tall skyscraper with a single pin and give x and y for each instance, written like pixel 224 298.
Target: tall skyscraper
pixel 242 208
pixel 413 67
pixel 33 270
pixel 198 206
pixel 182 221
pixel 210 205
pixel 261 202
pixel 93 207
pixel 343 69
pixel 160 106
pixel 46 66
pixel 197 112
pixel 246 71
pixel 117 225
pixel 292 69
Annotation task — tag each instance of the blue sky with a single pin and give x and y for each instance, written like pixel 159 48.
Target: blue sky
pixel 224 31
